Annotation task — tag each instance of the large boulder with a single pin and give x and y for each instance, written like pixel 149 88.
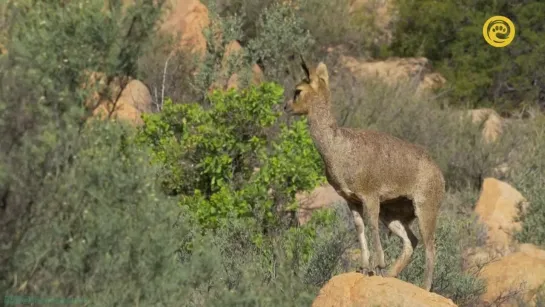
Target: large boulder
pixel 491 122
pixel 100 89
pixel 187 19
pixel 516 276
pixel 134 100
pixel 184 19
pixel 234 52
pixel 355 289
pixel 321 197
pixel 498 207
pixel 121 98
pixel 395 70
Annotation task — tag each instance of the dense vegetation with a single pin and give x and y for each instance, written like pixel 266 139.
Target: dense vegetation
pixel 197 206
pixel 450 34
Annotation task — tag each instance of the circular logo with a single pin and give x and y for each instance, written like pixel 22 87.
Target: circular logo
pixel 499 31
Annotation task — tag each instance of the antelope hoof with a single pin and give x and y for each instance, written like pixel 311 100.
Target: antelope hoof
pixel 365 271
pixel 382 272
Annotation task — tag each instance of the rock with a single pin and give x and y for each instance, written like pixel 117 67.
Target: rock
pixel 492 123
pixel 395 70
pixel 95 82
pixel 431 81
pixel 257 74
pixel 498 206
pixel 355 289
pixel 127 104
pixel 321 197
pixel 233 50
pixel 184 19
pixel 475 258
pixel 532 250
pixel 519 274
pixel 187 18
pixel 134 100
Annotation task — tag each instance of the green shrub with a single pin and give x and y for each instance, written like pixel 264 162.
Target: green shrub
pixel 52 45
pixel 331 23
pixel 233 158
pixel 212 68
pixel 99 229
pixel 526 174
pixel 248 10
pixel 333 237
pixel 285 269
pixel 169 73
pixel 271 32
pixel 280 37
pixel 450 34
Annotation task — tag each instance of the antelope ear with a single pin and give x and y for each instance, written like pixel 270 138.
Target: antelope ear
pixel 321 72
pixel 304 66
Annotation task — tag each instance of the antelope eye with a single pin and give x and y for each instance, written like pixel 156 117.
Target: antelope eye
pixel 297 92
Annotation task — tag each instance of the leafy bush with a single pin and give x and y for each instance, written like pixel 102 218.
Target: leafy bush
pixel 233 158
pixel 270 36
pixel 526 174
pixel 280 37
pixel 51 48
pixel 272 33
pixel 332 238
pixel 286 269
pixel 169 73
pixel 249 12
pixel 331 23
pixel 98 222
pixel 81 211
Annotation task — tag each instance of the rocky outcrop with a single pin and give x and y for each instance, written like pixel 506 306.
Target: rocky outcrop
pixel 511 271
pixel 183 19
pixel 498 207
pixel 134 100
pixel 355 289
pixel 234 52
pixel 186 19
pixel 515 276
pixel 396 70
pixel 491 122
pixel 321 197
pixel 120 99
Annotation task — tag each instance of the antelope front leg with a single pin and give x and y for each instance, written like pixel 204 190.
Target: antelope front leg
pixel 357 212
pixel 372 205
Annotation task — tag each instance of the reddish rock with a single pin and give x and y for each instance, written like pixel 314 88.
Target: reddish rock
pixel 355 289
